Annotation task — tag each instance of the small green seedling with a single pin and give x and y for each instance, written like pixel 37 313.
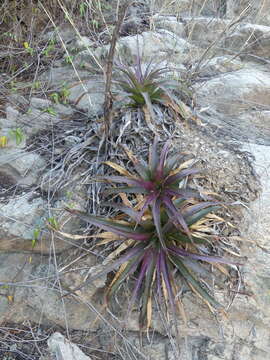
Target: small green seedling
pixel 82 8
pixel 36 85
pixel 53 222
pixel 69 59
pixel 55 97
pixel 36 234
pixel 28 48
pixel 50 48
pixel 17 134
pixel 50 111
pixel 64 94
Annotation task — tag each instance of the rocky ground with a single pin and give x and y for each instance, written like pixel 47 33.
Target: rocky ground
pixel 220 52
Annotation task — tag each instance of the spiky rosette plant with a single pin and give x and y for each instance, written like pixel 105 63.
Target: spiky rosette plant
pixel 159 183
pixel 160 237
pixel 142 85
pixel 141 253
pixel 147 85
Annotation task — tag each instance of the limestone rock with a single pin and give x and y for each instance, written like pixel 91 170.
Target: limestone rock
pixel 219 65
pixel 40 103
pixel 63 349
pixel 12 114
pixel 185 7
pixel 169 23
pixel 253 11
pixel 35 120
pixel 80 43
pixel 206 30
pixel 22 215
pixel 162 45
pixel 60 76
pixel 32 292
pixel 251 41
pixel 230 99
pixel 88 95
pixel 24 167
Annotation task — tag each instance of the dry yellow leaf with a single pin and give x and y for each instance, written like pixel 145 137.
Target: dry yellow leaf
pixel 3 141
pixel 118 168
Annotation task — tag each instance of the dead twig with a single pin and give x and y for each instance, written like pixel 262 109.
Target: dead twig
pixel 108 102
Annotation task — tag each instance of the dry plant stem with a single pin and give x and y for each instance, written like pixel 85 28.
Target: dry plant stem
pixel 108 103
pixel 230 25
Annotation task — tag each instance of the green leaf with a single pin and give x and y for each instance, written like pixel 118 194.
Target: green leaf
pixel 130 268
pixel 147 289
pixel 192 219
pixel 113 226
pixel 126 189
pixel 195 283
pixel 181 238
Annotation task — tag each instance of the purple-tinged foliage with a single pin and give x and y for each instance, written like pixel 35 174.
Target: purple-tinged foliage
pixel 159 183
pixel 156 250
pixel 145 85
pixel 161 242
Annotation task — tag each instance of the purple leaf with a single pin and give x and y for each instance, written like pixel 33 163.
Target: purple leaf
pixel 153 156
pixel 191 280
pixel 176 214
pixel 145 264
pixel 131 267
pixel 160 168
pixel 159 275
pixel 166 277
pixel 183 193
pixel 193 209
pixel 157 221
pixel 177 177
pixel 149 199
pixel 127 190
pixel 109 225
pixel 134 215
pixel 136 251
pixel 172 161
pixel 215 259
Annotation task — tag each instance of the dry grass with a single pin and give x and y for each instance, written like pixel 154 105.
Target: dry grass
pixel 25 52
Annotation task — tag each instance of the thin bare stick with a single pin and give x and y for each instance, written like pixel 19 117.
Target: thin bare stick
pixel 108 102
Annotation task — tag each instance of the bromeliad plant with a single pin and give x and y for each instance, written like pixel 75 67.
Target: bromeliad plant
pixel 161 236
pixel 159 182
pixel 147 85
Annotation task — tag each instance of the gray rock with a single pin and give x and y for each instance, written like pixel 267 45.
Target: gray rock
pixel 162 45
pixel 35 120
pixel 12 114
pixel 251 41
pixel 22 215
pixel 31 292
pixel 40 103
pixel 80 43
pixel 88 95
pixel 23 166
pixel 185 7
pixel 63 349
pixel 169 23
pixel 235 102
pixel 256 11
pixel 19 217
pixel 64 110
pixel 206 30
pixel 66 33
pixel 260 209
pixel 219 65
pixel 57 77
